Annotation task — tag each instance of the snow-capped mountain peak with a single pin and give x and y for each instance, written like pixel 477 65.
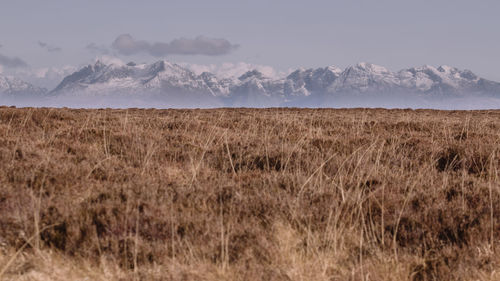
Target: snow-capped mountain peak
pixel 252 74
pixel 165 79
pixel 16 87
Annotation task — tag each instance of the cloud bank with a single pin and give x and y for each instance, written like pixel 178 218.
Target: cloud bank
pixel 46 77
pixel 49 48
pixel 11 62
pixel 125 44
pixel 234 70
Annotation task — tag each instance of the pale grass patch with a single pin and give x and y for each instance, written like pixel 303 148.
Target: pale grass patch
pixel 48 265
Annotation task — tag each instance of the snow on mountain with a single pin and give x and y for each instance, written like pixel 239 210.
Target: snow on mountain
pixel 447 80
pixel 364 77
pixel 255 89
pixel 424 81
pixel 159 77
pixel 218 87
pixel 304 82
pixel 443 78
pixel 161 82
pixel 11 86
pixel 314 87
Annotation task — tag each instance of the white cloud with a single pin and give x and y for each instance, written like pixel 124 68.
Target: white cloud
pixel 234 70
pixel 53 72
pixel 47 77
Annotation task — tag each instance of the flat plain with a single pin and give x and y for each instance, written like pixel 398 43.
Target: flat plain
pixel 249 194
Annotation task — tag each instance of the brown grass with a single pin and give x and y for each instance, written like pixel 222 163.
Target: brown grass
pixel 247 194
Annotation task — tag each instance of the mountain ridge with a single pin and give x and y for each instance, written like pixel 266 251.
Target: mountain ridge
pixel 173 84
pixel 16 87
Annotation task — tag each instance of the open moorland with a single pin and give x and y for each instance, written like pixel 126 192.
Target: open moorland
pixel 249 194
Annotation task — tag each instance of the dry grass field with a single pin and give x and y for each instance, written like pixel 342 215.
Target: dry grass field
pixel 249 194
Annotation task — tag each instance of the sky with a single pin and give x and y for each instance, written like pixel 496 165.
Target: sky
pixel 62 35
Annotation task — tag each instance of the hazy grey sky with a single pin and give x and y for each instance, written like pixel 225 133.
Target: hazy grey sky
pixel 283 34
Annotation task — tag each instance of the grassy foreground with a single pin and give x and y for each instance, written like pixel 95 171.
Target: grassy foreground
pixel 249 194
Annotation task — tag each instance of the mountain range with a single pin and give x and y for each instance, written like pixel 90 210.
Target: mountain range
pixel 170 85
pixel 16 87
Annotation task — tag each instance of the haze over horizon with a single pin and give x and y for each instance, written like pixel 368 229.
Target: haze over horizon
pixel 45 41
